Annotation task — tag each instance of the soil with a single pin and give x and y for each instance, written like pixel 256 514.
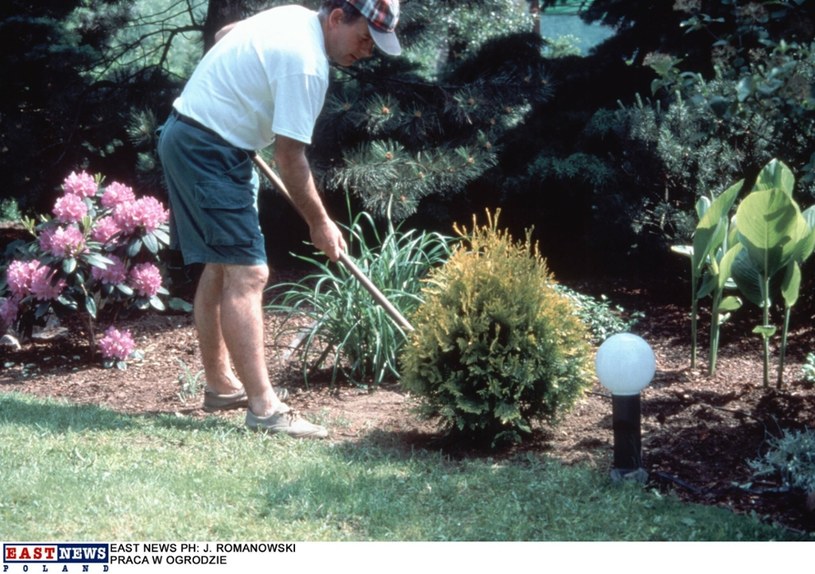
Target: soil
pixel 698 430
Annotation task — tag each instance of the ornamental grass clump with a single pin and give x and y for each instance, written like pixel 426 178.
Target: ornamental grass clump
pixel 496 346
pixel 345 327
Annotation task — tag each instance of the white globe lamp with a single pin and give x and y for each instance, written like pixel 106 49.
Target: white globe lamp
pixel 625 365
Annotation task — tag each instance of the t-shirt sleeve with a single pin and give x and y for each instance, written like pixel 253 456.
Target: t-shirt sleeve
pixel 298 101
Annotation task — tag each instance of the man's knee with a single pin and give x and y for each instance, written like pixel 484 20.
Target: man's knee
pixel 246 278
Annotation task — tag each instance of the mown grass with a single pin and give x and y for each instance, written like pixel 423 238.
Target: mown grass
pixel 83 472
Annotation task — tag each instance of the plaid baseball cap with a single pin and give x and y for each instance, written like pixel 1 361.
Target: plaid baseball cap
pixel 382 16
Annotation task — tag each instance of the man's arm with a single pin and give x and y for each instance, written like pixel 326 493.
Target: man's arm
pixel 290 156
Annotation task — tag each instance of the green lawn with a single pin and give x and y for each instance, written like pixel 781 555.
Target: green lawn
pixel 82 472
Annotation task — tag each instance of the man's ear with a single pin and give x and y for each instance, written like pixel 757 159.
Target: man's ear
pixel 336 17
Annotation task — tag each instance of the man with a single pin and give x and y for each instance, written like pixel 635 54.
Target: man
pixel 264 80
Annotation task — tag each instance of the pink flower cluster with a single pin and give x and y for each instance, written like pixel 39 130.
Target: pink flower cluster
pixel 70 208
pixel 147 212
pixel 117 345
pixel 80 184
pixel 127 213
pixel 33 278
pixel 18 275
pixel 63 241
pixel 43 286
pixel 104 230
pixel 145 278
pixel 113 274
pixel 117 193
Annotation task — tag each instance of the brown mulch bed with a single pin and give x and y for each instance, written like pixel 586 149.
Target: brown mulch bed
pixel 699 431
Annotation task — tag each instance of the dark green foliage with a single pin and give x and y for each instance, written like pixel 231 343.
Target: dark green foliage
pixel 59 111
pixel 471 115
pixel 600 315
pixel 396 131
pixel 496 345
pixel 555 172
pixel 724 86
pixel 739 94
pixel 41 70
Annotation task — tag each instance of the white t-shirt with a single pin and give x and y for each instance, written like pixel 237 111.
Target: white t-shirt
pixel 267 76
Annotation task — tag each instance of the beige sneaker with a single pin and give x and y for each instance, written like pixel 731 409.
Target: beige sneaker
pixel 286 422
pixel 238 400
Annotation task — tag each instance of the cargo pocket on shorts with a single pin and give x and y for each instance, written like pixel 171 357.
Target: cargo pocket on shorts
pixel 230 218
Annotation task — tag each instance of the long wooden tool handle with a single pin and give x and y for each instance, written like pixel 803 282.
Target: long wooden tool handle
pixel 344 258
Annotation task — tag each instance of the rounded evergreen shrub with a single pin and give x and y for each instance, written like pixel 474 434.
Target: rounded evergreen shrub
pixel 495 344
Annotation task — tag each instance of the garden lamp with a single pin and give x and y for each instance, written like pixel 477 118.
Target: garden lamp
pixel 625 365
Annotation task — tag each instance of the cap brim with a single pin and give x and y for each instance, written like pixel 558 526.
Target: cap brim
pixel 386 41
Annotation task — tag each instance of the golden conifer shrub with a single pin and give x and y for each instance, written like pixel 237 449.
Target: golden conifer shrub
pixel 495 345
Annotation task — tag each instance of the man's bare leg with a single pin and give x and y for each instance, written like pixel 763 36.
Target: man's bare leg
pixel 207 311
pixel 237 316
pixel 243 333
pixel 229 320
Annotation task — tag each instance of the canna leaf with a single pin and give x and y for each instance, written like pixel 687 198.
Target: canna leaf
pixel 707 287
pixel 726 265
pixel 730 304
pixel 765 331
pixel 702 205
pixel 775 175
pixel 770 226
pixel 747 278
pixel 807 244
pixel 791 287
pixel 686 250
pixel 713 226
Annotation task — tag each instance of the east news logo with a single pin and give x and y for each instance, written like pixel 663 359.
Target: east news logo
pixel 55 558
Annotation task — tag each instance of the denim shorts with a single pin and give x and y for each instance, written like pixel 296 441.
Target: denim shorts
pixel 213 191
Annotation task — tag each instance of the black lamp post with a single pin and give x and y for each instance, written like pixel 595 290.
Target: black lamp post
pixel 625 365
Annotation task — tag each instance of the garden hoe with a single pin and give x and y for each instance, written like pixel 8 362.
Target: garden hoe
pixel 344 258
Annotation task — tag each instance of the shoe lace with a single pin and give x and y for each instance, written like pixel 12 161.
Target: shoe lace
pixel 292 415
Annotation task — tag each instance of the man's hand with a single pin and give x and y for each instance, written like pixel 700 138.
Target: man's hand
pixel 296 174
pixel 328 238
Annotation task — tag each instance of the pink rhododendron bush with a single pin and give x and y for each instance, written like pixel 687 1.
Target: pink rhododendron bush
pixel 95 256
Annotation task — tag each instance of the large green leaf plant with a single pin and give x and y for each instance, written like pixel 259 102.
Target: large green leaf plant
pixel 774 238
pixel 759 251
pixel 710 269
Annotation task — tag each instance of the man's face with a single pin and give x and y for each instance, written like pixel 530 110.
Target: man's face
pixel 347 43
